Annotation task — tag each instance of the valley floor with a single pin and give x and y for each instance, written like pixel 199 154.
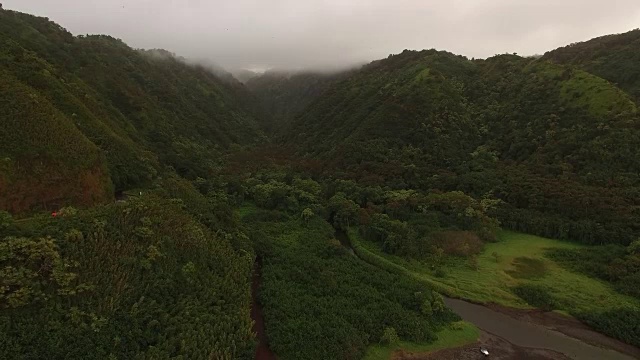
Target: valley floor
pixel 515 259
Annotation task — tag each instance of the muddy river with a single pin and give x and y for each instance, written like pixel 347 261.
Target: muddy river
pixel 527 334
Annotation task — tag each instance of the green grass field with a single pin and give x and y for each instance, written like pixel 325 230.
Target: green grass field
pixel 520 260
pixel 246 209
pixel 459 334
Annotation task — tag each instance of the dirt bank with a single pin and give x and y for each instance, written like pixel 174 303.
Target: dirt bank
pixel 262 351
pixel 500 350
pixel 568 326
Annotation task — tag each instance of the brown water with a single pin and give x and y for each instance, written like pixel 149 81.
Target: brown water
pixel 526 334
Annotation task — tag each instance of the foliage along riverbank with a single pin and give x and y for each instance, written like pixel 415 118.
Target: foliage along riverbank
pixel 320 302
pixel 517 272
pixel 457 334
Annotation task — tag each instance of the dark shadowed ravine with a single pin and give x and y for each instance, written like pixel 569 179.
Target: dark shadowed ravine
pixel 529 335
pixel 344 240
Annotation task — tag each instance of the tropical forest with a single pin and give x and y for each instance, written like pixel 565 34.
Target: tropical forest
pixel 426 205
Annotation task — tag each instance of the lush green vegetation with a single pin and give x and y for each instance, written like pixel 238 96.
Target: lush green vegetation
pixel 113 114
pixel 621 267
pixel 621 323
pixel 162 275
pixel 455 335
pixel 556 145
pixel 137 279
pixel 518 271
pixel 321 302
pixel 612 57
pixel 613 263
pixel 39 153
pixel 414 161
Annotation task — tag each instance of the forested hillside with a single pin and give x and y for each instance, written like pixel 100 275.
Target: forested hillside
pixel 557 145
pixel 141 109
pixel 147 278
pixel 157 275
pixel 435 150
pixel 612 57
pixel 38 139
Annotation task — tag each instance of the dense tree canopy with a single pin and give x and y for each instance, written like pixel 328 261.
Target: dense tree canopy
pixel 556 144
pixel 140 109
pixel 138 279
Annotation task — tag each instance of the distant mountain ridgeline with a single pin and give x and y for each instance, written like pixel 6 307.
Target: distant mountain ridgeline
pixel 282 95
pixel 92 106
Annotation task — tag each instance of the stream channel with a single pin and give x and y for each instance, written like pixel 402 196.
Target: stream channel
pixel 527 334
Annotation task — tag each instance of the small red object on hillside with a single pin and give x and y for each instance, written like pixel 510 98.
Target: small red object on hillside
pixel 54 214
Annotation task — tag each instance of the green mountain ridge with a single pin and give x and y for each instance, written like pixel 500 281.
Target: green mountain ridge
pixel 142 109
pixel 486 126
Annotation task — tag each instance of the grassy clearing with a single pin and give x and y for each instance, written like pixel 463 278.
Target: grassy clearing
pixel 584 89
pixel 514 260
pixel 527 268
pixel 369 253
pixel 458 334
pixel 424 74
pixel 596 93
pixel 246 209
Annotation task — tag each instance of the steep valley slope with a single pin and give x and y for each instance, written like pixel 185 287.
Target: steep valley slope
pixel 141 109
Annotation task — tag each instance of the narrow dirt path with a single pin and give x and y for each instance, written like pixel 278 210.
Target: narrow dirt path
pixel 262 351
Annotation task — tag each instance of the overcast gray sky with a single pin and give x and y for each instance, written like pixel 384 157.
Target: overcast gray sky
pixel 316 33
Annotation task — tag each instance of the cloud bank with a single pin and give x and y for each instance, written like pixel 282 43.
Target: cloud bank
pixel 296 34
